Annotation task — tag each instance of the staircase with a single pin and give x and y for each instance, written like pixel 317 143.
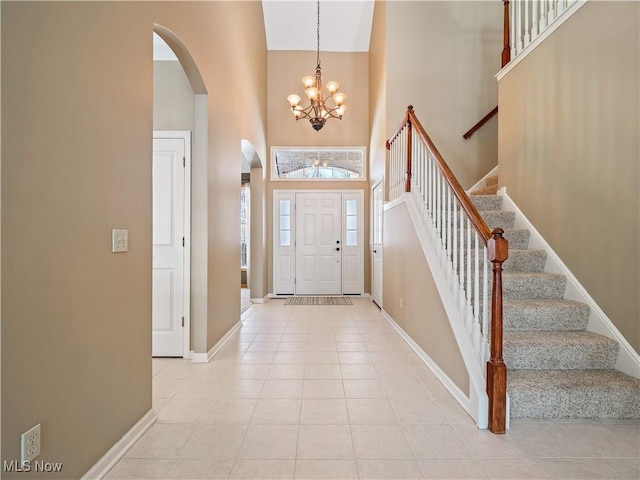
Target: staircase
pixel 557 369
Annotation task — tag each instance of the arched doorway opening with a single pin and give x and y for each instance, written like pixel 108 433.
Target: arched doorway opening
pixel 181 107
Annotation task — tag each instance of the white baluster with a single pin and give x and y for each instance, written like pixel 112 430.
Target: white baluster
pixel 551 13
pixel 512 27
pixel 468 310
pixel 561 7
pixel 477 334
pixel 534 18
pixel 519 46
pixel 544 7
pixel 485 306
pixel 527 24
pixel 454 246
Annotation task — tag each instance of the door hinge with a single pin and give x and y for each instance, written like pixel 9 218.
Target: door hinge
pixel 183 321
pixel 183 241
pixel 184 162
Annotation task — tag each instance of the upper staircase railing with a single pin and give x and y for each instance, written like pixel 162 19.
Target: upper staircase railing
pixel 526 20
pixel 466 246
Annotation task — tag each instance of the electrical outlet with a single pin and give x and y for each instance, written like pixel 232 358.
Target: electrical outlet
pixel 119 240
pixel 30 444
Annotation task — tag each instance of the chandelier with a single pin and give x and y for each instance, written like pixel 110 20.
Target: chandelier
pixel 318 110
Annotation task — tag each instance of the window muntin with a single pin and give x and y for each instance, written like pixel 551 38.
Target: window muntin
pixel 316 164
pixel 351 220
pixel 244 225
pixel 285 223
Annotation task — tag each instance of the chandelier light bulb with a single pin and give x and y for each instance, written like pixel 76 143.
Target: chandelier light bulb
pixel 339 98
pixel 294 100
pixel 332 87
pixel 308 81
pixel 312 93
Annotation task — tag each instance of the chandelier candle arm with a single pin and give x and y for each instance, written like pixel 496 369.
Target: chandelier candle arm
pixel 318 111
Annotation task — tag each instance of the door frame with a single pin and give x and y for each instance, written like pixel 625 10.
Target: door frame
pixel 378 184
pixel 186 253
pixel 277 268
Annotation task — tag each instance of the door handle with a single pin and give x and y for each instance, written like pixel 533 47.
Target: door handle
pixel 338 249
pixel 375 251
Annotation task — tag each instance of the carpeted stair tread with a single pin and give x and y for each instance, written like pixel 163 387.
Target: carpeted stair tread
pixel 556 369
pixel 487 202
pixel 573 394
pixel 559 350
pixel 525 260
pixel 492 180
pixel 498 218
pixel 525 285
pixel 518 261
pixel 518 238
pixel 544 314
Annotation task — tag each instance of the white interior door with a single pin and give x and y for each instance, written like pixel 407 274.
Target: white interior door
pixel 377 196
pixel 168 300
pixel 318 243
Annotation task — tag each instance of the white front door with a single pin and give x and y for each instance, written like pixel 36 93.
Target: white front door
pixel 318 243
pixel 376 242
pixel 168 247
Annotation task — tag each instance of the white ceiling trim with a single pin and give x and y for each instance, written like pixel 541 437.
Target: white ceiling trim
pixel 345 25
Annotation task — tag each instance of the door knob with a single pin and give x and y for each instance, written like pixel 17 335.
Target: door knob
pixel 375 251
pixel 338 249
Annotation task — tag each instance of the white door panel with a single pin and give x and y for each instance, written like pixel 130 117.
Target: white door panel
pixel 283 243
pixel 168 251
pixel 318 246
pixel 318 257
pixel 377 196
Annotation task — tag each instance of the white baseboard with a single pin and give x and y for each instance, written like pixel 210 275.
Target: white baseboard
pixel 259 300
pixel 628 360
pixel 206 357
pixel 115 453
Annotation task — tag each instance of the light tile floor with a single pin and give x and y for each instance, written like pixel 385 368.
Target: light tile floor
pixel 334 392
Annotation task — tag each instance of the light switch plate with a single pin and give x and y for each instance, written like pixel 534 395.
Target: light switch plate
pixel 119 240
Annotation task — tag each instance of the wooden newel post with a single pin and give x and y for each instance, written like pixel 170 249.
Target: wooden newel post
pixel 407 180
pixel 497 250
pixel 506 49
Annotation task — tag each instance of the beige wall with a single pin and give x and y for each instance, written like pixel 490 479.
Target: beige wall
pixel 77 123
pixel 173 98
pixel 378 93
pixel 441 58
pixel 285 71
pixel 422 316
pixel 569 123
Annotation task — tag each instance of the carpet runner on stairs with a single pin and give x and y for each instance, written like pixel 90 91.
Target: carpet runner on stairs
pixel 556 369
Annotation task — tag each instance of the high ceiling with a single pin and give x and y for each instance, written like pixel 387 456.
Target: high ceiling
pixel 345 25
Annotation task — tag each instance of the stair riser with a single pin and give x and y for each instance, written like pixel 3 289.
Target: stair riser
pixel 518 239
pixel 594 403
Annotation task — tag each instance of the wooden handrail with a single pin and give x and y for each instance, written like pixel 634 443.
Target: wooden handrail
pixel 459 192
pixel 482 121
pixel 497 252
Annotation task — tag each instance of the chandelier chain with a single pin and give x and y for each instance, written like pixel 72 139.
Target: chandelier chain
pixel 318 36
